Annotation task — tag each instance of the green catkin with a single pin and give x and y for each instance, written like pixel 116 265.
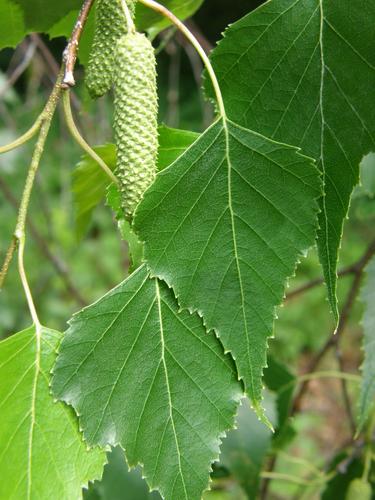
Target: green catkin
pixel 110 25
pixel 135 122
pixel 359 490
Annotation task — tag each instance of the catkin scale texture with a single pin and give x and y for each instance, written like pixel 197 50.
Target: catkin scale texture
pixel 110 25
pixel 135 122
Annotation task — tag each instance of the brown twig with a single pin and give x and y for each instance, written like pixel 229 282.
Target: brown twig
pixel 318 281
pixel 334 338
pixel 17 72
pixel 51 62
pixel 333 341
pixel 70 53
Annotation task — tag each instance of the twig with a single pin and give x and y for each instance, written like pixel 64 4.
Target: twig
pixel 59 265
pixel 49 59
pixel 7 261
pixel 70 53
pixel 318 281
pixel 345 313
pixel 81 141
pixel 19 233
pixel 43 123
pixel 23 65
pixel 333 340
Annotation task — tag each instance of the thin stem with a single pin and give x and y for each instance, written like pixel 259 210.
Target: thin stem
pixel 128 17
pixel 8 259
pixel 193 40
pixel 279 476
pixel 334 338
pixel 81 141
pixel 369 445
pixel 70 53
pixel 47 116
pixel 307 377
pixel 25 137
pixel 350 377
pixel 25 284
pixel 318 281
pixel 29 53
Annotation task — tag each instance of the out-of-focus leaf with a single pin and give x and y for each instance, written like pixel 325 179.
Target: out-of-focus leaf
pixel 279 380
pixel 90 183
pixel 244 449
pixel 42 453
pixel 149 20
pixel 120 483
pixel 347 468
pixel 40 15
pixel 129 366
pixel 172 143
pixel 367 398
pixel 368 175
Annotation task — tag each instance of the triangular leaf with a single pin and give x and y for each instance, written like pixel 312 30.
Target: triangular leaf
pixel 42 454
pixel 145 376
pixel 367 399
pixel 300 72
pixel 225 226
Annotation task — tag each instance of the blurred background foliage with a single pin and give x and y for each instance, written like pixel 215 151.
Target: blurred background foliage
pixel 70 267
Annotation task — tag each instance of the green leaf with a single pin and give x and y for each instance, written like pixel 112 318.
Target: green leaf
pixel 12 28
pixel 279 380
pixel 367 398
pixel 348 466
pixel 42 454
pixel 40 15
pixel 141 374
pixel 172 143
pixel 120 483
pixel 225 226
pixel 244 449
pixel 149 20
pixel 368 175
pixel 90 183
pixel 300 72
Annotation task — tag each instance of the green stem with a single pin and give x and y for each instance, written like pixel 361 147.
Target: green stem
pixel 350 377
pixel 8 259
pixel 279 476
pixel 369 446
pixel 25 137
pixel 128 17
pixel 19 233
pixel 189 35
pixel 81 141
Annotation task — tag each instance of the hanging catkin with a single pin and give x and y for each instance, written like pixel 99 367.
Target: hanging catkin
pixel 110 25
pixel 135 122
